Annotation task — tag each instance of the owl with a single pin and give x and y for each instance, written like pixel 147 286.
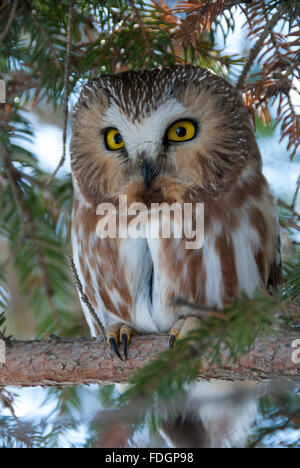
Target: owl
pixel 179 134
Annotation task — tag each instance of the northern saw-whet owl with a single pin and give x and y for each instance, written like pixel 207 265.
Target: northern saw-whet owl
pixel 177 134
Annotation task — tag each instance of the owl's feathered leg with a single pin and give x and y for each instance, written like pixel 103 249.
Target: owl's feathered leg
pixel 182 327
pixel 119 333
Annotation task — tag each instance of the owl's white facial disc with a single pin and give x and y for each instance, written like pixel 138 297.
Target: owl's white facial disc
pixel 145 136
pixel 149 164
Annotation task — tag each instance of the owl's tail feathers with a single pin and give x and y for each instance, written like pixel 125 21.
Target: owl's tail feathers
pixel 185 432
pixel 214 415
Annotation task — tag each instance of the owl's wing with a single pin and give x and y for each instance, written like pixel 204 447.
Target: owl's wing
pixel 275 277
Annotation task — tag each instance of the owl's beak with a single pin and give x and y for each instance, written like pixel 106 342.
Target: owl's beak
pixel 149 171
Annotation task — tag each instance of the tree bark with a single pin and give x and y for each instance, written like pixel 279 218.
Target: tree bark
pixel 63 362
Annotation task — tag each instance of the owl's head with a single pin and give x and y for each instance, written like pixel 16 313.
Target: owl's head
pixel 158 135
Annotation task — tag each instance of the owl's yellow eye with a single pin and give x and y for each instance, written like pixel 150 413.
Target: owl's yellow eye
pixel 182 130
pixel 114 140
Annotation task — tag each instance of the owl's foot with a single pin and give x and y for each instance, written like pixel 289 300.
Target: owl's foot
pixel 119 333
pixel 182 327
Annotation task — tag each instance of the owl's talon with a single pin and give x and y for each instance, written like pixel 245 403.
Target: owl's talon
pixel 119 333
pixel 124 342
pixel 113 343
pixel 182 328
pixel 172 341
pixel 125 335
pixel 174 333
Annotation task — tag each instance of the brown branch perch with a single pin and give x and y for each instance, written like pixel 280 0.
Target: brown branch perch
pixel 62 362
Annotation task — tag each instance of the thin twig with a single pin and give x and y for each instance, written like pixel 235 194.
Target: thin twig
pixel 84 297
pixel 294 65
pixel 8 400
pixel 257 48
pixel 201 311
pixel 19 82
pixel 11 255
pixel 142 28
pixel 10 20
pixel 66 90
pixel 289 208
pixel 281 427
pixel 48 40
pixel 293 206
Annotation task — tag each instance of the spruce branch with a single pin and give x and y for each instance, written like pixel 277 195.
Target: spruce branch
pixel 3 331
pixel 11 255
pixel 19 83
pixel 29 229
pixel 281 85
pixel 10 20
pixel 8 401
pixel 248 320
pixel 279 60
pixel 293 205
pixel 257 48
pixel 67 69
pixel 280 426
pixel 142 28
pixel 12 176
pixel 46 37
